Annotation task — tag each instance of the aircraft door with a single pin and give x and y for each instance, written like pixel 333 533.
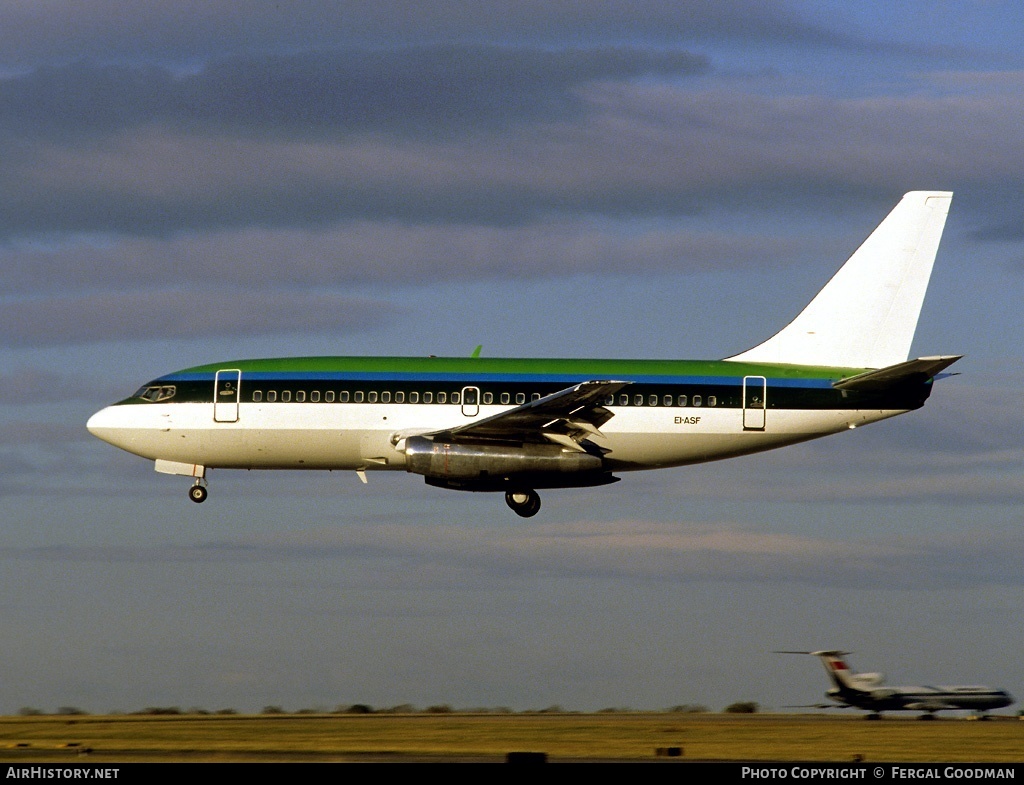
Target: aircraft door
pixel 754 402
pixel 471 401
pixel 227 389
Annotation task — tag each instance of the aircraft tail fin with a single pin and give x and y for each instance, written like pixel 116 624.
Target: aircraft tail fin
pixel 865 317
pixel 840 673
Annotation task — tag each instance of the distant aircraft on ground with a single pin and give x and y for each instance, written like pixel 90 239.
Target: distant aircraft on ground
pixel 867 691
pixel 513 426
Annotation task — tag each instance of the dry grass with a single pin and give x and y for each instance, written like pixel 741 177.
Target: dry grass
pixel 714 737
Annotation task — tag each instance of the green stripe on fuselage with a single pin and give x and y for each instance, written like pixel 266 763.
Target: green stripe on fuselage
pixel 789 386
pixel 582 369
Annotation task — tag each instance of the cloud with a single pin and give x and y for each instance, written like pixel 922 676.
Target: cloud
pixel 637 150
pixel 365 252
pixel 621 550
pixel 404 92
pixel 179 314
pixel 183 31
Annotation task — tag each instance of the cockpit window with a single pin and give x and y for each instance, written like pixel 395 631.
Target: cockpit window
pixel 157 393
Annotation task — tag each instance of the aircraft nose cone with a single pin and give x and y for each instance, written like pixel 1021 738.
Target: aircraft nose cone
pixel 104 425
pixel 96 422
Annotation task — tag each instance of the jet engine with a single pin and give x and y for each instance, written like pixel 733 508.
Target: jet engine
pixel 498 465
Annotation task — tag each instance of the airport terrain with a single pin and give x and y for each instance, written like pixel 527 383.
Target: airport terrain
pixel 632 737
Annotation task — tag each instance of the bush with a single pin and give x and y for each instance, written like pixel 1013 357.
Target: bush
pixel 355 708
pixel 742 707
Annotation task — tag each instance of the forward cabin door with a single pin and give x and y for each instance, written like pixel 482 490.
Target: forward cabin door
pixel 755 402
pixel 227 390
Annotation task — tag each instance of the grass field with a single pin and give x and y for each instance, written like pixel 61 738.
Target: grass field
pixel 627 736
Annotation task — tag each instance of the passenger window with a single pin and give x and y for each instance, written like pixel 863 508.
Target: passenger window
pixel 506 398
pixel 488 398
pixel 286 395
pixel 520 398
pixel 272 395
pixel 428 397
pixel 712 400
pixel 399 397
pixel 329 396
pixel 414 397
pixel 257 395
pixel 681 400
pixel 535 397
pixel 666 400
pixel 442 397
pixel 371 397
pixel 357 396
pixel 638 399
pixel 624 400
pixel 652 400
pixel 343 396
pixel 696 400
pixel 609 400
pixel 315 396
pixel 385 397
pixel 300 396
pixel 455 398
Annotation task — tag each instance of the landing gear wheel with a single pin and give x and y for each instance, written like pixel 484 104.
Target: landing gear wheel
pixel 197 493
pixel 525 504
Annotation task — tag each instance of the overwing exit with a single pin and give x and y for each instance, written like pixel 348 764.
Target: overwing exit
pixel 514 426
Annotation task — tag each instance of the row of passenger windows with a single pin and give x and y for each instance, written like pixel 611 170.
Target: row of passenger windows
pixel 487 398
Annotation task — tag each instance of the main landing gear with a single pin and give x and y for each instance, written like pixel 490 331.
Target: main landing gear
pixel 525 504
pixel 198 492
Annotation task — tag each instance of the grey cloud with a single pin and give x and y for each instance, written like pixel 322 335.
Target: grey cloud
pixel 183 31
pixel 179 314
pixel 624 550
pixel 364 252
pixel 642 149
pixel 412 91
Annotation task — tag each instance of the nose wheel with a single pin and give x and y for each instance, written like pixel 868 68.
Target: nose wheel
pixel 525 504
pixel 198 493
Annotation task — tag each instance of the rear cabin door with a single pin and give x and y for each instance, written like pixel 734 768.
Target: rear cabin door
pixel 754 402
pixel 227 389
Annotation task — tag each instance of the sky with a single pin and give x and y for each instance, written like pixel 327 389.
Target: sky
pixel 186 182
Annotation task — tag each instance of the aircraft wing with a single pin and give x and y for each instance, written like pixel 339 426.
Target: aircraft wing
pixel 918 370
pixel 566 417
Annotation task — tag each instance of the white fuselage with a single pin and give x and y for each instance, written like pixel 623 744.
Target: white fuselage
pixel 364 436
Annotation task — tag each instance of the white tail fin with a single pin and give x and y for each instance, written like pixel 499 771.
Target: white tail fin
pixel 865 317
pixel 843 676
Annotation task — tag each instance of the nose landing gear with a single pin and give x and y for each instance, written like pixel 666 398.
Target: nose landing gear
pixel 525 503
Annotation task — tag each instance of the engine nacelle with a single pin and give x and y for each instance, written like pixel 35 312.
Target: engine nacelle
pixel 463 462
pixel 866 681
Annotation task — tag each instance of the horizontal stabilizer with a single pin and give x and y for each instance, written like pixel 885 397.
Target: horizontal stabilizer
pixel 912 371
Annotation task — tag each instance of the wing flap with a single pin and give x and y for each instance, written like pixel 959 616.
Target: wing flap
pixel 569 415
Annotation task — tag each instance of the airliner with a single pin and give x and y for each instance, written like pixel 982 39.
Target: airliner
pixel 514 426
pixel 866 691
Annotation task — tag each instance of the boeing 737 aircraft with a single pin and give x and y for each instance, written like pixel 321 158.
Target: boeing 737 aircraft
pixel 513 426
pixel 866 691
